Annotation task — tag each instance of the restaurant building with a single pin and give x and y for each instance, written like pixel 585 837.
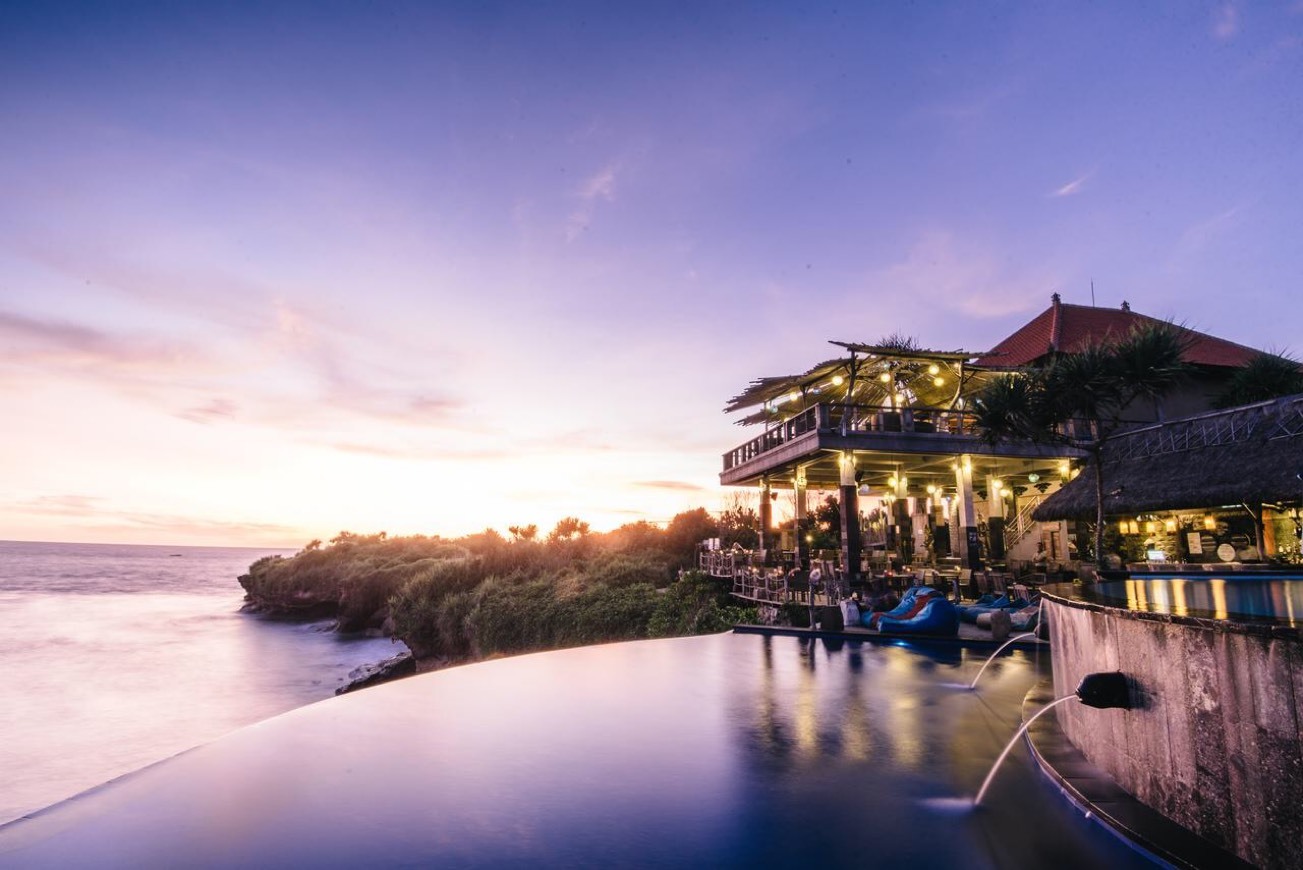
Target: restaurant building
pixel 888 427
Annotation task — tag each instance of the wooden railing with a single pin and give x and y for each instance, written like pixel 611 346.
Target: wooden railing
pixel 853 420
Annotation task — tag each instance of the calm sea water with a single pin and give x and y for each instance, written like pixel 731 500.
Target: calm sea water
pixel 115 657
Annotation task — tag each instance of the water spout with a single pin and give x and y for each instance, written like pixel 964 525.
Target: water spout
pixel 1001 649
pixel 981 792
pixel 1104 690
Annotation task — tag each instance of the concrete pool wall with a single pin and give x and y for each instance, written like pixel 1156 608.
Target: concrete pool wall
pixel 1214 742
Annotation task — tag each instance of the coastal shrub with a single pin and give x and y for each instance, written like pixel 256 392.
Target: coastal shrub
pixel 366 588
pixel 511 616
pixel 547 613
pixel 608 613
pixel 627 569
pixel 697 604
pixel 415 607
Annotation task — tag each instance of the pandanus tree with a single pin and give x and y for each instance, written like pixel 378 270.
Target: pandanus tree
pixel 1266 376
pixel 1082 399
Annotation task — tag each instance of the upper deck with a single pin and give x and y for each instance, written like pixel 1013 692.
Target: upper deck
pixel 878 434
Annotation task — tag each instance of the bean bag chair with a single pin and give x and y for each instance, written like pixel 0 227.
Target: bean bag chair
pixel 911 604
pixel 937 616
pixel 970 612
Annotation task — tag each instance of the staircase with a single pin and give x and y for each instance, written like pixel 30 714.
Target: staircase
pixel 1021 524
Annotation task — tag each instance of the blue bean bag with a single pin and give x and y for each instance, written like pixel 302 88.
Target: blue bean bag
pixel 908 607
pixel 937 616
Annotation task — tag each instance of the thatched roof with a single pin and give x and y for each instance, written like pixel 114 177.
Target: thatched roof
pixel 829 381
pixel 1252 454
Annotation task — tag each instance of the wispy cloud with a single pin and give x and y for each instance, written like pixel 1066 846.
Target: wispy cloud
pixel 1226 22
pixel 60 505
pixel 100 514
pixel 978 281
pixel 597 188
pixel 408 453
pixel 972 107
pixel 1072 187
pixel 210 412
pixel 672 485
pixel 1199 237
pixel 63 343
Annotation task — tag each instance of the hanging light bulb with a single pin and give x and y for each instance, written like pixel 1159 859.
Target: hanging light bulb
pixel 885 378
pixel 934 369
pixel 838 380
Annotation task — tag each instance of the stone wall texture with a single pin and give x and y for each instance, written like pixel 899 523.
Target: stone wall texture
pixel 1213 742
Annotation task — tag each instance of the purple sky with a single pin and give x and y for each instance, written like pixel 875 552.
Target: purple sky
pixel 271 271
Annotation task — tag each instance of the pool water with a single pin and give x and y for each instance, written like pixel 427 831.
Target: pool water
pixel 1254 599
pixel 728 750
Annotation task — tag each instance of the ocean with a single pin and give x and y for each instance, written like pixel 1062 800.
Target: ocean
pixel 113 657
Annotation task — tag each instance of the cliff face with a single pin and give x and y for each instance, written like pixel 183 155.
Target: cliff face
pixel 298 604
pixel 299 590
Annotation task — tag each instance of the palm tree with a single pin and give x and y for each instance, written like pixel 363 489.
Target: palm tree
pixel 1266 376
pixel 1079 399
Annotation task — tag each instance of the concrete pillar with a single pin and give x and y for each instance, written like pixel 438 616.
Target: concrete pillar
pixel 918 522
pixel 995 516
pixel 850 516
pixel 766 520
pixel 802 548
pixel 966 513
pixel 901 519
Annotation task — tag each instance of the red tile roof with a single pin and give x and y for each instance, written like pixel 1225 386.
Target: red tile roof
pixel 1069 328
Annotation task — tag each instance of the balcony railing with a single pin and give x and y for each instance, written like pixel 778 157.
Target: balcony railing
pixel 853 420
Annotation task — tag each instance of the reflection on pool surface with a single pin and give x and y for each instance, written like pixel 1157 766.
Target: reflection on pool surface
pixel 1277 600
pixel 727 750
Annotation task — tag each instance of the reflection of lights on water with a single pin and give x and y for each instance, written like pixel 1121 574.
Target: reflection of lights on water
pixel 855 729
pixel 1178 597
pixel 1218 588
pixel 1161 594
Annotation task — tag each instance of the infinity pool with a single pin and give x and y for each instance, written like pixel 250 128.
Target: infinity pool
pixel 1255 599
pixel 729 750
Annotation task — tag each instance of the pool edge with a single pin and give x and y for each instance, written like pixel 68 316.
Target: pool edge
pixel 1105 802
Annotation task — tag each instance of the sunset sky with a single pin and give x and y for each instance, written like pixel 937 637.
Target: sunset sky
pixel 270 271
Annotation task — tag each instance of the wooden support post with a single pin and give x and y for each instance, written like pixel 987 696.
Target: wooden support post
pixel 766 521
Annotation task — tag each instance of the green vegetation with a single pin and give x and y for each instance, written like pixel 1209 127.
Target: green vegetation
pixel 1266 376
pixel 485 595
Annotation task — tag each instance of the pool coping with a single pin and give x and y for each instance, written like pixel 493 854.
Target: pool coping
pixel 864 634
pixel 1105 802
